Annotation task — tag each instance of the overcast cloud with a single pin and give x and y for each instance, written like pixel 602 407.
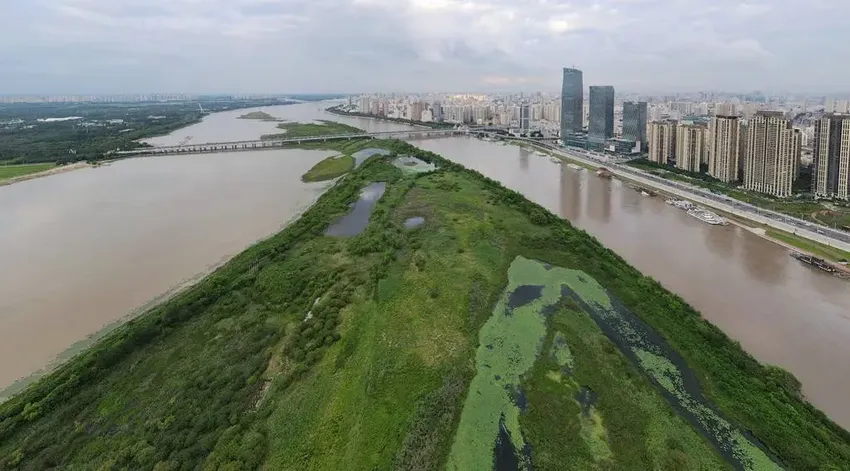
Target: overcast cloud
pixel 115 46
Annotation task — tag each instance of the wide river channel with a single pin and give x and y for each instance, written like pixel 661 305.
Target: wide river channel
pixel 83 249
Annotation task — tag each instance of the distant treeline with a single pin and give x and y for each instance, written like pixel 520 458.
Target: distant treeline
pixel 104 127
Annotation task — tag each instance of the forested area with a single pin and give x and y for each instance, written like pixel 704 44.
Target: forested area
pixel 28 135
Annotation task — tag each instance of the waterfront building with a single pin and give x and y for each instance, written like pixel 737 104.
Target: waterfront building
pixel 662 141
pixel 724 148
pixel 831 156
pixel 601 118
pixel 634 122
pixel 524 118
pixel 572 102
pixel 773 154
pixel 742 148
pixel 690 145
pixel 437 111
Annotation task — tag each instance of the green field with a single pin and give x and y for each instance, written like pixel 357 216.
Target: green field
pixel 318 128
pixel 814 248
pixel 260 115
pixel 8 172
pixel 493 326
pixel 329 168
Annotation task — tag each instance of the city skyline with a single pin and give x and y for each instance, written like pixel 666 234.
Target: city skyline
pixel 241 46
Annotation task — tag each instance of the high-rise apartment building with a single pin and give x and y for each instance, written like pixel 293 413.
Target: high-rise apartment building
pixel 724 133
pixel 690 146
pixel 524 118
pixel 437 111
pixel 832 156
pixel 662 141
pixel 572 102
pixel 601 118
pixel 773 154
pixel 634 122
pixel 725 109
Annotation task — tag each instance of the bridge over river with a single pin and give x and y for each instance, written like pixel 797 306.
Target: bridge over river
pixel 262 144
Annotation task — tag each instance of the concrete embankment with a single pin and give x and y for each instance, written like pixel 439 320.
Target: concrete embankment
pixel 636 177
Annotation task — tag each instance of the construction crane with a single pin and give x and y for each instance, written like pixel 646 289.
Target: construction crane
pixel 201 108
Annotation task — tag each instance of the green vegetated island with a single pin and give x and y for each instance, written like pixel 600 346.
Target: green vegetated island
pixel 259 115
pixel 419 317
pixel 318 128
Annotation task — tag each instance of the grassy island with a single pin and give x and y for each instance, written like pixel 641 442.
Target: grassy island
pixel 259 115
pixel 318 128
pixel 329 168
pixel 489 335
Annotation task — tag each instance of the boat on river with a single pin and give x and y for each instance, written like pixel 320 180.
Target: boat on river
pixel 707 216
pixel 814 261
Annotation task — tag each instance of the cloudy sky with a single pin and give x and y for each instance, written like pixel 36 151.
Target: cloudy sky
pixel 116 46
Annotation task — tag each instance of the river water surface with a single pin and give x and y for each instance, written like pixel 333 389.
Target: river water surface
pixel 82 249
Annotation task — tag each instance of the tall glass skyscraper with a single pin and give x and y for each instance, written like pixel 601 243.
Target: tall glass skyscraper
pixel 634 122
pixel 572 103
pixel 601 122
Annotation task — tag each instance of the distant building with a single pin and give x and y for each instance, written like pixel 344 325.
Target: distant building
pixel 601 119
pixel 690 146
pixel 742 148
pixel 437 111
pixel 773 154
pixel 662 141
pixel 725 109
pixel 524 118
pixel 572 102
pixel 634 122
pixel 831 156
pixel 724 134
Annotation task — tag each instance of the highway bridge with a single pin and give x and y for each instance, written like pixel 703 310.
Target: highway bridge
pixel 264 144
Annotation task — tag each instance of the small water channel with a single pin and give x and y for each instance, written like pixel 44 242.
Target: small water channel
pixel 357 219
pixel 361 155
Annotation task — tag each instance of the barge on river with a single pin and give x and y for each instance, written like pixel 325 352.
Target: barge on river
pixel 817 263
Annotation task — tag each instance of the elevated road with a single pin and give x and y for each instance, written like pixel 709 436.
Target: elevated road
pixel 265 144
pixel 816 232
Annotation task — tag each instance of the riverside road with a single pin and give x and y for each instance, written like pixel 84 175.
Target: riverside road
pixel 819 233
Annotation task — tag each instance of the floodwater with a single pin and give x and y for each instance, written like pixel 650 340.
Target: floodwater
pixel 357 219
pixel 781 311
pixel 84 249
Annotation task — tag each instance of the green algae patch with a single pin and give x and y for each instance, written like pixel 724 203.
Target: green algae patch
pixel 670 378
pixel 509 343
pixel 561 352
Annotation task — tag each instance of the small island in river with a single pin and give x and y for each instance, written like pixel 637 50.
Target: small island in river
pixel 259 115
